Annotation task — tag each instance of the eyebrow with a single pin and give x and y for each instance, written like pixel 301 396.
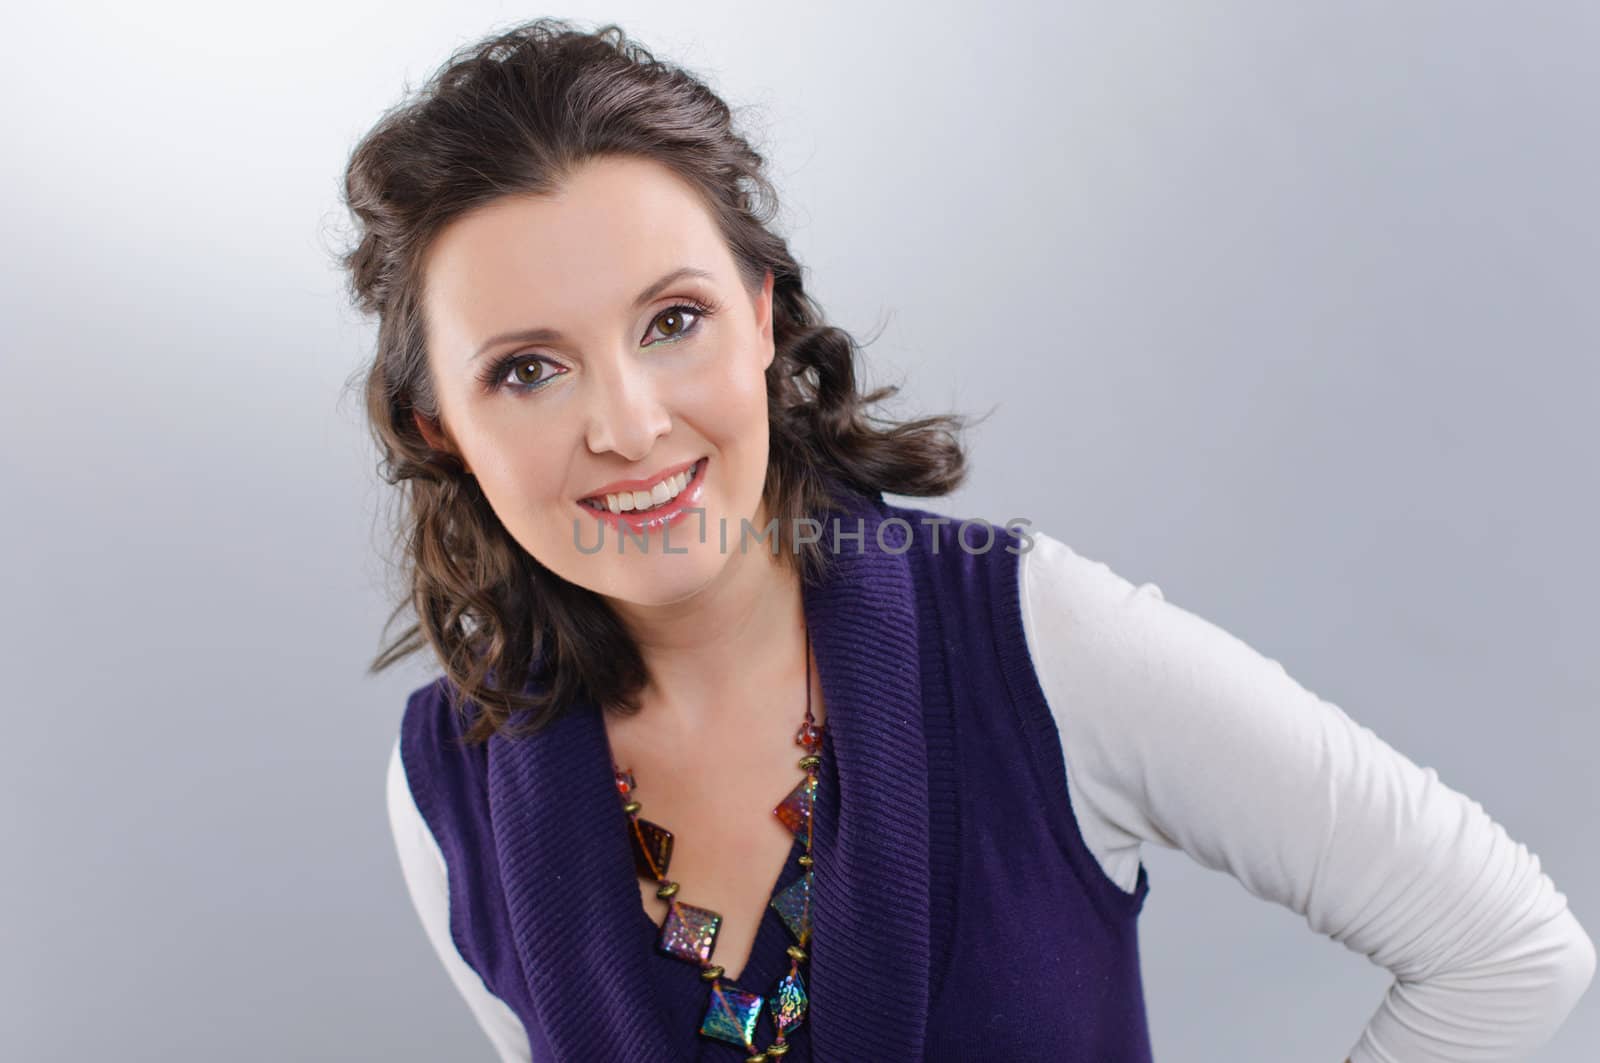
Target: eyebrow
pixel 550 335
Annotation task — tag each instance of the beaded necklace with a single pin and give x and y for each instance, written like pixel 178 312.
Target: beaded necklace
pixel 689 933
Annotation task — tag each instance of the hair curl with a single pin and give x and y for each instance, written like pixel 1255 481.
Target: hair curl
pixel 516 114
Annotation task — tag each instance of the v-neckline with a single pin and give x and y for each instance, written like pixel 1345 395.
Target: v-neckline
pixel 572 890
pixel 786 874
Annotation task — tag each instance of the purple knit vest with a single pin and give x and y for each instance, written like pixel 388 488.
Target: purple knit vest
pixel 957 913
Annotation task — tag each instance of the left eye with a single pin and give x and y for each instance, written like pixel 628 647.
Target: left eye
pixel 675 314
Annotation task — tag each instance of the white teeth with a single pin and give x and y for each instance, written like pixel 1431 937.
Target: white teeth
pixel 665 491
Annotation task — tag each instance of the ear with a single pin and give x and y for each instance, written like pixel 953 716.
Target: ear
pixel 438 438
pixel 764 319
pixel 429 432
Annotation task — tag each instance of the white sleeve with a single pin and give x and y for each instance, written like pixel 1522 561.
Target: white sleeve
pixel 423 866
pixel 1177 732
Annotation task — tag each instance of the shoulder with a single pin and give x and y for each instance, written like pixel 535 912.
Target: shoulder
pixel 1039 586
pixel 432 713
pixel 1082 613
pixel 967 556
pixel 447 780
pixel 943 534
pixel 1061 586
pixel 431 729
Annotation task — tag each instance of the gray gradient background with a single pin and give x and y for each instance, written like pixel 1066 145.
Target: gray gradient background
pixel 1287 308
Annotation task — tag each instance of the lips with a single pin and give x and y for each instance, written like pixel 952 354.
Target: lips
pixel 672 511
pixel 618 487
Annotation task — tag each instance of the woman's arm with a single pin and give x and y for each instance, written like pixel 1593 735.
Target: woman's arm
pixel 422 864
pixel 1178 733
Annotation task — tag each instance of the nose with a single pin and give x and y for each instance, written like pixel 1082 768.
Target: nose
pixel 626 414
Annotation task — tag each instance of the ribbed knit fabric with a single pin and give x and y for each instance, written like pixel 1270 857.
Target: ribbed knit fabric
pixel 957 913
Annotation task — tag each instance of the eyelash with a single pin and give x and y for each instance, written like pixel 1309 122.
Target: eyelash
pixel 494 377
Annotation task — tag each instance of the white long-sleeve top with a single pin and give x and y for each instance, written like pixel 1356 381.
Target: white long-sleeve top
pixel 1176 732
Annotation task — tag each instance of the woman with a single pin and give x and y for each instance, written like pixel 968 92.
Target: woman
pixel 872 784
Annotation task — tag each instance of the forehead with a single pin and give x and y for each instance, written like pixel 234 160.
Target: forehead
pixel 615 225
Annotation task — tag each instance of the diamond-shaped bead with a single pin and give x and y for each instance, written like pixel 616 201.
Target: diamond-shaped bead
pixel 795 811
pixel 652 847
pixel 788 1006
pixel 688 933
pixel 731 1015
pixel 794 904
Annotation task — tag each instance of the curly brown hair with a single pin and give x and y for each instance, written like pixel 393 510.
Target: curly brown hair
pixel 515 114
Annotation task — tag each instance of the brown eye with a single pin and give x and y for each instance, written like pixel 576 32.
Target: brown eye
pixel 528 373
pixel 522 374
pixel 677 322
pixel 671 323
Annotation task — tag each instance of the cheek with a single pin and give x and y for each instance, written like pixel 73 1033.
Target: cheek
pixel 735 395
pixel 492 436
pixel 516 474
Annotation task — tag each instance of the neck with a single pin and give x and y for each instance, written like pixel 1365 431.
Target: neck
pixel 734 648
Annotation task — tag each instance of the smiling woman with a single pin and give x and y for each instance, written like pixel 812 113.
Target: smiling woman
pixel 576 304
pixel 907 768
pixel 640 373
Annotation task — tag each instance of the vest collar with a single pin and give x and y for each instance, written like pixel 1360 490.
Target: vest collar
pixel 568 871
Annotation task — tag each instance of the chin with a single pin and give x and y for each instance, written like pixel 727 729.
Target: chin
pixel 668 583
pixel 645 578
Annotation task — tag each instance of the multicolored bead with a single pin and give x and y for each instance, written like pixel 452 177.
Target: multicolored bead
pixel 795 811
pixel 689 933
pixel 652 847
pixel 788 1007
pixel 731 1015
pixel 809 737
pixel 794 904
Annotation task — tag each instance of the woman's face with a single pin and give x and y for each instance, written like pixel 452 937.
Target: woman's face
pixel 625 380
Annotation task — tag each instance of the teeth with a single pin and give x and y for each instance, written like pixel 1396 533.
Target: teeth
pixel 661 493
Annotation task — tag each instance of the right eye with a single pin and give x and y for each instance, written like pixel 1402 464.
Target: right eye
pixel 522 373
